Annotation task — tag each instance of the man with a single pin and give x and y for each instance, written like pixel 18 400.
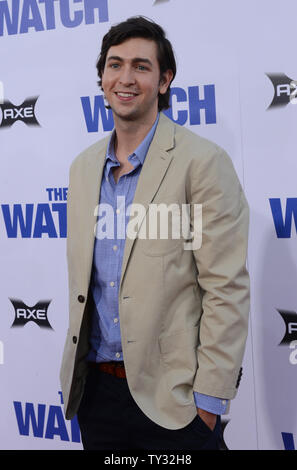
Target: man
pixel 157 330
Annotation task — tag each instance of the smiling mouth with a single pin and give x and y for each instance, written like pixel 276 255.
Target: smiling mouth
pixel 125 95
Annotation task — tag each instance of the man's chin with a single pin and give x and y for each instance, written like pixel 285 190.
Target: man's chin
pixel 128 116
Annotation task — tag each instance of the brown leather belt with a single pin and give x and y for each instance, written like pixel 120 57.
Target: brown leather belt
pixel 116 368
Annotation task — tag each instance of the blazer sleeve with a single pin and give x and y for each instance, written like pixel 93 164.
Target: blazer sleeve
pixel 222 274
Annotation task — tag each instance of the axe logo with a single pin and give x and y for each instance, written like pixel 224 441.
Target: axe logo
pixel 25 314
pixel 25 112
pixel 285 90
pixel 290 319
pixel 290 336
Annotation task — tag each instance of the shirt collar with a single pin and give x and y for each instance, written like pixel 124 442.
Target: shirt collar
pixel 142 148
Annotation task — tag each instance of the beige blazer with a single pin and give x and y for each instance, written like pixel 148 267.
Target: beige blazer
pixel 183 313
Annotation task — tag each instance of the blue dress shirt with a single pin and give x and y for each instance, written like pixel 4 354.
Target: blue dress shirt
pixel 115 198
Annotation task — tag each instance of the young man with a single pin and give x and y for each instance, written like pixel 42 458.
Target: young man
pixel 157 330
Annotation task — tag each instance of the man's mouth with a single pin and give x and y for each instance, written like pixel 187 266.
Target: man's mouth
pixel 126 95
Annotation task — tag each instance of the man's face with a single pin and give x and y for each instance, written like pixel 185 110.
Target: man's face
pixel 131 80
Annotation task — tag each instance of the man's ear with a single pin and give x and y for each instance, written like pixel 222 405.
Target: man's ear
pixel 165 81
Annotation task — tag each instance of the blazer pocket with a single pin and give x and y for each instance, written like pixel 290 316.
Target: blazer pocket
pixel 160 247
pixel 181 339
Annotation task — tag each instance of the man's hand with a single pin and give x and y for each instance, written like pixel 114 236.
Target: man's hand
pixel 210 419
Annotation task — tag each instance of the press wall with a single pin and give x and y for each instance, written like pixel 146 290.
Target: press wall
pixel 236 86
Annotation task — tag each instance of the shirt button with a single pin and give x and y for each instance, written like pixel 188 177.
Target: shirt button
pixel 81 299
pixel 74 339
pixel 224 402
pixel 118 354
pixel 115 320
pixel 118 211
pixel 114 248
pixel 111 283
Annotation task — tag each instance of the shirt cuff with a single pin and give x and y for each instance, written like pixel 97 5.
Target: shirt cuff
pixel 218 406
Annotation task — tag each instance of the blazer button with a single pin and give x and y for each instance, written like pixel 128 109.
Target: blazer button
pixel 81 299
pixel 74 339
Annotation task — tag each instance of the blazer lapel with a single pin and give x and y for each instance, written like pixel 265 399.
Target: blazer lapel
pixel 154 169
pixel 95 160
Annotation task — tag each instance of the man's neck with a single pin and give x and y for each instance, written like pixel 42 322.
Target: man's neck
pixel 129 136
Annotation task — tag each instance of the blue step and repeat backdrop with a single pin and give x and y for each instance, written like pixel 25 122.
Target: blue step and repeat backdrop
pixel 236 85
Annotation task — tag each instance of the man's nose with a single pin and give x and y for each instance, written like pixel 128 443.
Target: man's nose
pixel 127 76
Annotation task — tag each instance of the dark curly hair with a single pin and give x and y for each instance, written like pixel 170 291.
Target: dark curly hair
pixel 140 27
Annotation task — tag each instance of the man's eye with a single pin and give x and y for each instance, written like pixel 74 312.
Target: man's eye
pixel 114 66
pixel 141 67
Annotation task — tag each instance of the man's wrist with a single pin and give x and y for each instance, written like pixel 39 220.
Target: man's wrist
pixel 211 404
